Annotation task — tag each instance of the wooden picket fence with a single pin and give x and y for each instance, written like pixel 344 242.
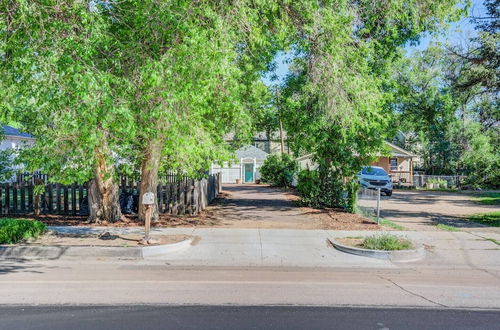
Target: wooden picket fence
pixel 177 196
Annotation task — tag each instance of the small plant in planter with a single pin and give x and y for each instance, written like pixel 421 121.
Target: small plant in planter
pixel 435 183
pixel 386 242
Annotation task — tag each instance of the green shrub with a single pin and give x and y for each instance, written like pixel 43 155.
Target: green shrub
pixel 386 242
pixel 333 193
pixel 278 170
pixel 308 188
pixel 352 196
pixel 15 230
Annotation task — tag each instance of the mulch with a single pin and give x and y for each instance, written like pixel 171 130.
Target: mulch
pixel 204 218
pixel 335 219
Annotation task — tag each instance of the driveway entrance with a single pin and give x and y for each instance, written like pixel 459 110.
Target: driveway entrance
pixel 261 206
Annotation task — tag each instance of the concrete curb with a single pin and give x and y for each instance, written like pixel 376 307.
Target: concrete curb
pixel 57 252
pixel 400 256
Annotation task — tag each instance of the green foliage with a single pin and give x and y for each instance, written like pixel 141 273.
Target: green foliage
pixel 386 242
pixel 389 223
pixel 352 196
pixel 279 170
pixel 6 163
pixel 488 198
pixel 15 230
pixel 482 161
pixel 336 98
pixel 39 189
pixel 308 187
pixel 446 227
pixel 443 184
pixel 489 219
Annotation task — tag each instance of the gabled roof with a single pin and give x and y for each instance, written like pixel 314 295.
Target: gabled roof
pixel 399 152
pixel 395 152
pixel 11 131
pixel 251 152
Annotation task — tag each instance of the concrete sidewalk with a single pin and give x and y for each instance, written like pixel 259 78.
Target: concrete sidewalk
pixel 309 248
pixel 265 267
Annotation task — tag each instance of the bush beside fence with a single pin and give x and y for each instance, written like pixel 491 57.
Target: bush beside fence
pixel 177 196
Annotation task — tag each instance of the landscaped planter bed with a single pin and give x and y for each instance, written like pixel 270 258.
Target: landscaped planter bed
pixel 407 251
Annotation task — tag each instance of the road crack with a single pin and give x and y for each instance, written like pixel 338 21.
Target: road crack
pixel 411 292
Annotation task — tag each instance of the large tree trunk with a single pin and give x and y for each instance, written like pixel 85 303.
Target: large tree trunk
pixel 103 193
pixel 149 177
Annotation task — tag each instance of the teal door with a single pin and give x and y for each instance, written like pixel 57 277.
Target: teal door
pixel 248 173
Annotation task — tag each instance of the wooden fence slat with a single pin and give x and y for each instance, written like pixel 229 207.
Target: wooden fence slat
pixel 14 199
pixel 159 197
pixel 7 199
pixel 23 198
pixel 1 201
pixel 49 192
pixel 73 198
pixel 180 195
pixel 66 199
pixel 80 197
pixel 58 199
pixel 30 198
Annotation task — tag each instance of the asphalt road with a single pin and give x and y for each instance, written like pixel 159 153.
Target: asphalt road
pixel 233 317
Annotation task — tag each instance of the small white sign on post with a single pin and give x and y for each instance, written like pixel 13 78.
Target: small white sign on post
pixel 148 200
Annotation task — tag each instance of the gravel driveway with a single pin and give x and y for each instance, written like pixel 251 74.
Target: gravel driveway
pixel 423 210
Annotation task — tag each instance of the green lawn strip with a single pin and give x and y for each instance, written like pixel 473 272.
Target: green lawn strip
pixel 490 219
pixel 492 240
pixel 389 223
pixel 441 189
pixel 446 227
pixel 386 242
pixel 382 221
pixel 15 230
pixel 488 198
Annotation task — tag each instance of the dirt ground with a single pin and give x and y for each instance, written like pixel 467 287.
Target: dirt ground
pixel 262 206
pixel 423 210
pixel 105 239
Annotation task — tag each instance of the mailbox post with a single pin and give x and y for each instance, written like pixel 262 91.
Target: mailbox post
pixel 148 200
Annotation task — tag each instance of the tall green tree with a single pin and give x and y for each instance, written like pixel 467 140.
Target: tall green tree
pixel 60 65
pixel 338 92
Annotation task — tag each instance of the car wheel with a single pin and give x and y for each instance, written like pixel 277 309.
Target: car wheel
pixel 388 193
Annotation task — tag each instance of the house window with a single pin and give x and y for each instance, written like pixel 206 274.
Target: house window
pixel 393 164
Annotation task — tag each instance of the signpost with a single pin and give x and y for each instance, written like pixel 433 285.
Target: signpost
pixel 148 200
pixel 378 206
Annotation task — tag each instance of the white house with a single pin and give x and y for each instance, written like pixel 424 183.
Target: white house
pixel 14 138
pixel 245 169
pixel 249 158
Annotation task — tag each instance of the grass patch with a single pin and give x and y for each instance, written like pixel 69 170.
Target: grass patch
pixel 441 189
pixel 446 227
pixel 386 242
pixel 492 240
pixel 488 198
pixel 389 223
pixel 489 219
pixel 15 230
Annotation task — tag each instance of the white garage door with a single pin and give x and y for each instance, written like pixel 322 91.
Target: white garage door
pixel 229 174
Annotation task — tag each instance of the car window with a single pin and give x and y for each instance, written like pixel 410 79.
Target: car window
pixel 373 171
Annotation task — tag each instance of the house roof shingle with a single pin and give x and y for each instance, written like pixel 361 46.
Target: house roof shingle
pixel 11 131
